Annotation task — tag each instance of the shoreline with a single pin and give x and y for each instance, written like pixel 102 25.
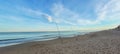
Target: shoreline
pixel 44 40
pixel 45 37
pixel 103 42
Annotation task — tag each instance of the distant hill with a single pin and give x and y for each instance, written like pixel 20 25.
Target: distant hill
pixel 118 28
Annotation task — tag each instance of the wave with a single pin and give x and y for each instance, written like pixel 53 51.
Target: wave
pixel 12 38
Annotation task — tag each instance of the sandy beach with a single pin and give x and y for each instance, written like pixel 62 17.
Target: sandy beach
pixel 102 42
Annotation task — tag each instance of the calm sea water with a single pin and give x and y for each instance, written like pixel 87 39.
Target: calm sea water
pixel 13 38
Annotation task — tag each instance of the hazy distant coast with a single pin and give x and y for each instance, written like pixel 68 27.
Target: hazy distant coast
pixel 102 42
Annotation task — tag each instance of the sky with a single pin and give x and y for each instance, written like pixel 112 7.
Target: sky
pixel 43 15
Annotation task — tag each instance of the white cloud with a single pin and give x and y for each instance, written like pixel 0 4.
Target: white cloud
pixel 48 17
pixel 109 11
pixel 12 18
pixel 37 13
pixel 60 14
pixel 68 16
pixel 104 11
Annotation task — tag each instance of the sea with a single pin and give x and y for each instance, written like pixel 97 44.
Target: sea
pixel 13 38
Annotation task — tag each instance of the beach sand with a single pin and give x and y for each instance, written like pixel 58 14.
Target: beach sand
pixel 102 42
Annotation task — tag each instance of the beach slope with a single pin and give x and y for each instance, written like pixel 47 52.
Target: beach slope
pixel 102 42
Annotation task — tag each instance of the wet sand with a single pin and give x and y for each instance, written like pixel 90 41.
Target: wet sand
pixel 102 42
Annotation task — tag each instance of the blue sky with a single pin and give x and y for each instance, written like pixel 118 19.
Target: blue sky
pixel 41 15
